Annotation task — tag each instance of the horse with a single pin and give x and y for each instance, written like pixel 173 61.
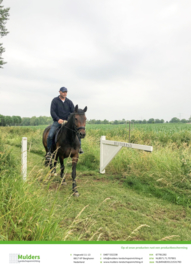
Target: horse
pixel 67 144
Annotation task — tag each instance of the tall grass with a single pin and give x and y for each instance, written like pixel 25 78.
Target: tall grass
pixel 22 206
pixel 164 173
pixel 37 210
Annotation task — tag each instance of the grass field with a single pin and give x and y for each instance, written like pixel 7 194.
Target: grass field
pixel 142 196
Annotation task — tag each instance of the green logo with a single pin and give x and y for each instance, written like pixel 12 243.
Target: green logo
pixel 28 257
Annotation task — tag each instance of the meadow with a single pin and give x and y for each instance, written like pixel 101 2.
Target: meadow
pixel 141 197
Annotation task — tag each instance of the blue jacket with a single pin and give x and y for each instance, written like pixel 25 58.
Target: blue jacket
pixel 61 110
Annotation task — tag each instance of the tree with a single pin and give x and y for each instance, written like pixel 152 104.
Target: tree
pixel 8 120
pixel 33 121
pixel 183 121
pixel 14 120
pixel 19 120
pixel 174 120
pixel 116 122
pixel 151 121
pixel 92 121
pixel 49 120
pixel 98 122
pixel 157 121
pixel 25 121
pixel 41 120
pixel 2 120
pixel 123 121
pixel 105 121
pixel 4 14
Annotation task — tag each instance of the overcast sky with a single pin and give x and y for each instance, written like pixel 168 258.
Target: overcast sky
pixel 126 59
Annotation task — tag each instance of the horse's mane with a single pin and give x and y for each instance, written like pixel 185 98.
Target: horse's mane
pixel 71 117
pixel 69 127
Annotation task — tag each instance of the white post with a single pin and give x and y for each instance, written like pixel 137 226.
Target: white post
pixel 24 158
pixel 101 154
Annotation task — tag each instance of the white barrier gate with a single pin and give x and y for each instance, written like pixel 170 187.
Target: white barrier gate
pixel 24 158
pixel 109 149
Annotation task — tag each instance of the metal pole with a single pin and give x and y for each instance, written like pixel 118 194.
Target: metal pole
pixel 129 131
pixel 24 158
pixel 126 132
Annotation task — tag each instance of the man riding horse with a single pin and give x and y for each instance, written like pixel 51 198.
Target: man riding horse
pixel 61 108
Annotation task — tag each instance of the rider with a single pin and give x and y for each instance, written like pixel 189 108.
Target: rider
pixel 61 108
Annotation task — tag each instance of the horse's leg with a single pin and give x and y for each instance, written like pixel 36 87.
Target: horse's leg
pixel 55 159
pixel 46 162
pixel 50 164
pixel 74 186
pixel 63 182
pixel 44 141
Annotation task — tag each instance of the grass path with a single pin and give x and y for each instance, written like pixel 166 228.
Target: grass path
pixel 106 209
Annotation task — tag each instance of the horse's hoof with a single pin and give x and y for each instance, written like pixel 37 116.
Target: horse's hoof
pixel 54 174
pixel 64 183
pixel 76 194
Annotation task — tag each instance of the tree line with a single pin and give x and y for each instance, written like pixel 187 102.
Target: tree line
pixel 25 121
pixel 47 120
pixel 150 121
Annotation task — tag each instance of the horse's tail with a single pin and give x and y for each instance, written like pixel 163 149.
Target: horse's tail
pixel 45 136
pixel 44 141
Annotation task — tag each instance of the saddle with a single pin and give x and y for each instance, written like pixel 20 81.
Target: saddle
pixel 56 135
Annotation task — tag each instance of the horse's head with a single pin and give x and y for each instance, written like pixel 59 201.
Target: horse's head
pixel 80 121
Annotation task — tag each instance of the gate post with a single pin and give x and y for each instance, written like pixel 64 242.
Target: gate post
pixel 24 158
pixel 101 153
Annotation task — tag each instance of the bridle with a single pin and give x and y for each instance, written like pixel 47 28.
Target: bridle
pixel 78 128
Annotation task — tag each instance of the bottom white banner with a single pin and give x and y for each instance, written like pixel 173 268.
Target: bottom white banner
pixel 84 256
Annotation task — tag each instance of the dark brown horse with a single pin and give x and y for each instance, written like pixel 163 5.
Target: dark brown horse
pixel 67 143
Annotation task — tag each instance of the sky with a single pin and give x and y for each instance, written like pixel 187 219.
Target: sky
pixel 123 59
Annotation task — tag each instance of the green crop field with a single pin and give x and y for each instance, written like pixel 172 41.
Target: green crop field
pixel 141 197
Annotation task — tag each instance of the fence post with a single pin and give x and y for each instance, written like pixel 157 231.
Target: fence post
pixel 24 158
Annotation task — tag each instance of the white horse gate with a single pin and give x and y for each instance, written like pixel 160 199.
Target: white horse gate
pixel 109 149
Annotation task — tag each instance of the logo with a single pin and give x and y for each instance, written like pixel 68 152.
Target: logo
pixel 18 258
